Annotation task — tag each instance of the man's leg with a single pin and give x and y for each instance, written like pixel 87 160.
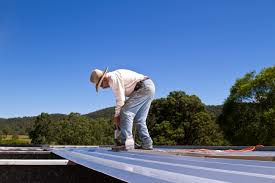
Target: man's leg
pixel 126 124
pixel 140 121
pixel 141 116
pixel 131 108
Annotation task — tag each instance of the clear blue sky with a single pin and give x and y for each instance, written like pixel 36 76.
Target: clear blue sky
pixel 48 48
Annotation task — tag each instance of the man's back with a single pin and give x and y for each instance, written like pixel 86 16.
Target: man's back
pixel 126 79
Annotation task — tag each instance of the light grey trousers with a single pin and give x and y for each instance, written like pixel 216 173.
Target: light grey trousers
pixel 135 110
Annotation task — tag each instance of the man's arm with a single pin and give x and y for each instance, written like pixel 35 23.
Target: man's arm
pixel 119 93
pixel 117 121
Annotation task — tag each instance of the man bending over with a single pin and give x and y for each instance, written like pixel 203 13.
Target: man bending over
pixel 140 91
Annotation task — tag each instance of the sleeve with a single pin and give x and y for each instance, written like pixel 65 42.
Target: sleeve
pixel 119 93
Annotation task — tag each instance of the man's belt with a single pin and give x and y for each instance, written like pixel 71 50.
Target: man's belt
pixel 140 84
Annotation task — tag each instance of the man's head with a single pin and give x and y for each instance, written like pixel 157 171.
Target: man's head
pixel 100 79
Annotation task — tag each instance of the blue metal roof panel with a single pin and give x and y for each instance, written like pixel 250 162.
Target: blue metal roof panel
pixel 136 166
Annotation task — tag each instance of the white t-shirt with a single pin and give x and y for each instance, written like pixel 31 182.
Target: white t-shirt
pixel 123 83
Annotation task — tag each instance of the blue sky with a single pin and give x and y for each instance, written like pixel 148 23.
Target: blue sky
pixel 48 49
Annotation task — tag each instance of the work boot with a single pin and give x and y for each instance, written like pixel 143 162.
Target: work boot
pixel 137 146
pixel 119 148
pixel 150 147
pixel 118 143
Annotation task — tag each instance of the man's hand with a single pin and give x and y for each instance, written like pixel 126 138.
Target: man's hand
pixel 117 121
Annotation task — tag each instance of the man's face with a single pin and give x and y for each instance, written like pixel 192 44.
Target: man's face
pixel 105 83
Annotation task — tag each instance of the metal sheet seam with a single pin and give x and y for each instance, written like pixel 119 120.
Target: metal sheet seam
pixel 216 162
pixel 192 166
pixel 145 171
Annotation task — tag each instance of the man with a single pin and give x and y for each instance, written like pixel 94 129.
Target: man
pixel 140 91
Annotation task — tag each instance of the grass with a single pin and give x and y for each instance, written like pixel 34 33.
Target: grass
pixel 22 139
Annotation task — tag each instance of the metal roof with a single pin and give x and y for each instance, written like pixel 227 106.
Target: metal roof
pixel 155 166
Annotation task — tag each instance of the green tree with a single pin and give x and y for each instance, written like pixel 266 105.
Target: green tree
pixel 166 135
pixel 1 136
pixel 40 132
pixel 269 118
pixel 6 131
pixel 72 129
pixel 14 137
pixel 181 119
pixel 248 113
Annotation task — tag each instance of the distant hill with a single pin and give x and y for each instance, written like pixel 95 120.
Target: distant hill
pixel 215 110
pixel 103 113
pixel 17 125
pixel 2 119
pixel 23 125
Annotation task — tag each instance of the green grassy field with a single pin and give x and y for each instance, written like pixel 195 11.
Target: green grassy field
pixel 22 139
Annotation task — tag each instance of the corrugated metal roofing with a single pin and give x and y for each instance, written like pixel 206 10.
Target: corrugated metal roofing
pixel 143 166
